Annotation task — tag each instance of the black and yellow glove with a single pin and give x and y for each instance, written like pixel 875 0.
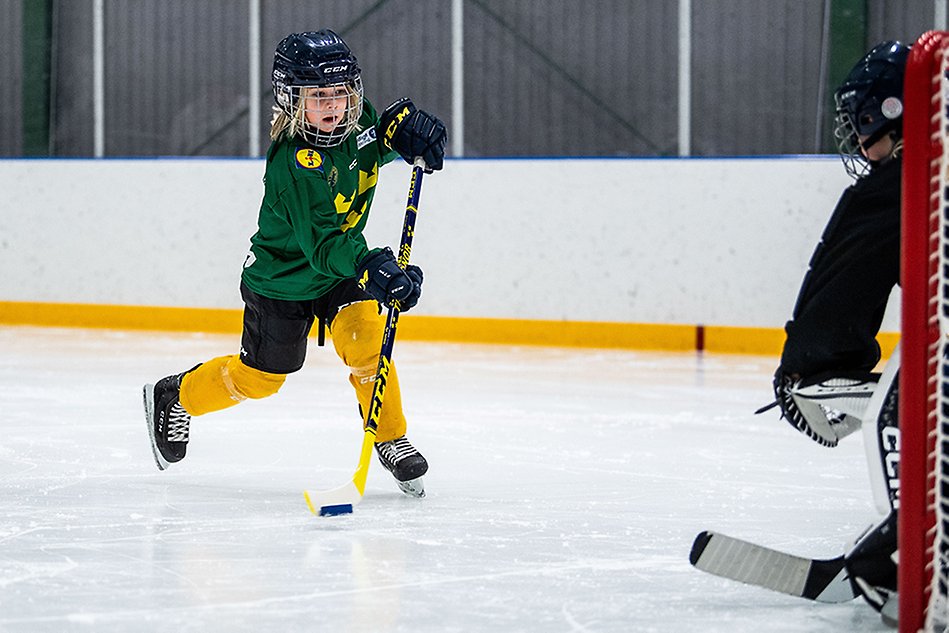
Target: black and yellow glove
pixel 380 275
pixel 413 133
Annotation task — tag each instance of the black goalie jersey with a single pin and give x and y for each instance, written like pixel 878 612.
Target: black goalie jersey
pixel 843 297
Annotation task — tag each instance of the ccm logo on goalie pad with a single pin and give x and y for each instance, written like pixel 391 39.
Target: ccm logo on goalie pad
pixel 888 434
pixel 890 452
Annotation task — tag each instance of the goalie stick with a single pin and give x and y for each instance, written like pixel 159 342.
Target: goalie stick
pixel 735 559
pixel 343 499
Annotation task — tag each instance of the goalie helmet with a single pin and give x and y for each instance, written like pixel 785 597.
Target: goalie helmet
pixel 316 59
pixel 870 104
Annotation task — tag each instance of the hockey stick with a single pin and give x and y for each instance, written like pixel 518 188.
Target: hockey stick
pixel 814 579
pixel 342 500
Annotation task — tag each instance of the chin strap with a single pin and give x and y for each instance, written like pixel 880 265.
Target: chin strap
pixel 893 126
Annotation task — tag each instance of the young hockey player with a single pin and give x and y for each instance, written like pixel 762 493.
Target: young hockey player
pixel 824 385
pixel 309 259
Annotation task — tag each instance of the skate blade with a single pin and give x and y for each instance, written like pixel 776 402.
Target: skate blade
pixel 412 487
pixel 148 398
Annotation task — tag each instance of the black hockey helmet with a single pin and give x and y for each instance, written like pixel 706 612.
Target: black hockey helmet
pixel 316 59
pixel 870 103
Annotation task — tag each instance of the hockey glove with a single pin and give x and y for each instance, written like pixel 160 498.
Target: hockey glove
pixel 380 275
pixel 826 407
pixel 413 133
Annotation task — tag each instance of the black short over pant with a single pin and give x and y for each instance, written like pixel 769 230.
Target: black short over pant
pixel 275 331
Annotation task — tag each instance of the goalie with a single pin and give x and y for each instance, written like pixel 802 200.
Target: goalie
pixel 825 385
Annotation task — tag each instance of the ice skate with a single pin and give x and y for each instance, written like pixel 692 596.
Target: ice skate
pixel 168 422
pixel 405 463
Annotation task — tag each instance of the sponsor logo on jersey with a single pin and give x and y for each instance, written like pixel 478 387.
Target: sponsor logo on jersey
pixel 366 137
pixel 309 159
pixel 333 177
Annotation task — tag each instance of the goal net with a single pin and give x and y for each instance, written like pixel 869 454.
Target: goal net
pixel 924 374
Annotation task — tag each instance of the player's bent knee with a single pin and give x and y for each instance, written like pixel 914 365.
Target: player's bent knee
pixel 250 382
pixel 357 334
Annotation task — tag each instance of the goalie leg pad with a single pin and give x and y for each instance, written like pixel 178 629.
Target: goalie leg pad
pixel 882 437
pixel 223 382
pixel 357 336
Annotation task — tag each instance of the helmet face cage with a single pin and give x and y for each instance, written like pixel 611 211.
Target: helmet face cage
pixel 342 102
pixel 848 144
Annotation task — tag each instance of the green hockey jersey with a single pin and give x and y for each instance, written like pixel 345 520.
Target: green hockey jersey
pixel 316 203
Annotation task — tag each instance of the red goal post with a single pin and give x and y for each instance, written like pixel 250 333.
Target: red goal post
pixel 924 374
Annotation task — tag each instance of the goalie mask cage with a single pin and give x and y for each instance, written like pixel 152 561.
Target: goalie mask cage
pixel 924 375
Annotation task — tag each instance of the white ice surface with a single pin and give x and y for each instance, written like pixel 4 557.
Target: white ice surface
pixel 565 489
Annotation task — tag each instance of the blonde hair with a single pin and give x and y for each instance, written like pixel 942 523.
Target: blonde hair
pixel 282 123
